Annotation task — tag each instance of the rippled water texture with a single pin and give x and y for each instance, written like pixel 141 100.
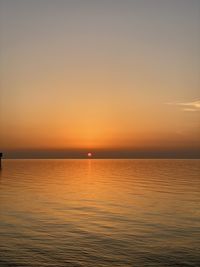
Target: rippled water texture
pixel 100 213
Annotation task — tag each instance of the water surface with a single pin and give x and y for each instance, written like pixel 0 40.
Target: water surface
pixel 100 213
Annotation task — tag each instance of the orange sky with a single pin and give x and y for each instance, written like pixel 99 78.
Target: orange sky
pixel 104 75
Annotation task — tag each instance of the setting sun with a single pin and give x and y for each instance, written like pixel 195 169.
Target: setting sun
pixel 89 154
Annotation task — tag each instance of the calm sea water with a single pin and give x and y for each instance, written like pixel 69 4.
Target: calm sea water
pixel 100 213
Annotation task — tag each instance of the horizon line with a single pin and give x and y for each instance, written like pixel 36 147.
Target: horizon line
pixel 95 158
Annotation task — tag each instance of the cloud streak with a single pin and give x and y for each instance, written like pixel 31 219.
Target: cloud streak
pixel 188 106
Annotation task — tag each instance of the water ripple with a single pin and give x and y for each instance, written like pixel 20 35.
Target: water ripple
pixel 100 213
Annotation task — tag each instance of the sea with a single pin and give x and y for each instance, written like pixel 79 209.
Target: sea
pixel 100 213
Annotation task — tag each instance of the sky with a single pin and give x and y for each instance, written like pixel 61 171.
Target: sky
pixel 117 78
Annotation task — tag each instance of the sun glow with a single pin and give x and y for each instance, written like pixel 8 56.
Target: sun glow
pixel 89 154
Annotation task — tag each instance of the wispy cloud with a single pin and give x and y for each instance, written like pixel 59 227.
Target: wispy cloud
pixel 188 106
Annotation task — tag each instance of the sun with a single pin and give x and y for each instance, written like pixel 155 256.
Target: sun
pixel 89 154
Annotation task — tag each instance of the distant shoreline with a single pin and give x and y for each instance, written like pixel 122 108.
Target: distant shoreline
pixel 102 158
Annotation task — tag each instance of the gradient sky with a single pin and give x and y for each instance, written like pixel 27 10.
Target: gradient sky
pixel 99 75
